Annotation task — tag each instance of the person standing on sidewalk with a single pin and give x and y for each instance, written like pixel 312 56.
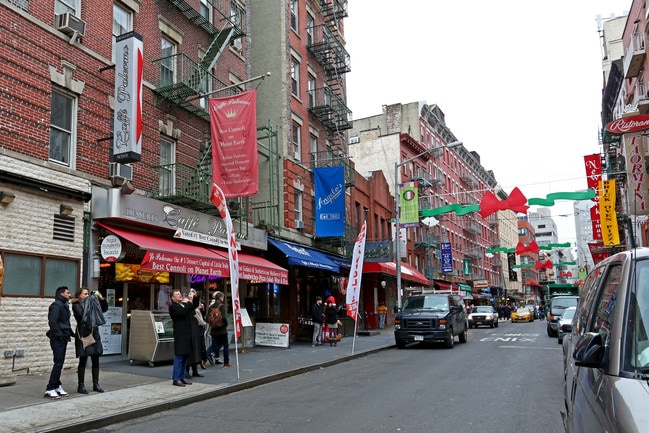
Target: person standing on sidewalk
pixel 84 307
pixel 220 334
pixel 382 311
pixel 331 320
pixel 58 318
pixel 181 314
pixel 316 318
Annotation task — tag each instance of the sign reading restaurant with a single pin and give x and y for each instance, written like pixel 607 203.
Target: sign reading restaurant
pixel 638 122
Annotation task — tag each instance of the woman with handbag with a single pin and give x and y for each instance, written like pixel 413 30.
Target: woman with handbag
pixel 88 311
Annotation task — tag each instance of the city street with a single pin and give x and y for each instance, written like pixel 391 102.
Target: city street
pixel 506 379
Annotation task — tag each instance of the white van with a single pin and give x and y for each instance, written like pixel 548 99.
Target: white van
pixel 607 352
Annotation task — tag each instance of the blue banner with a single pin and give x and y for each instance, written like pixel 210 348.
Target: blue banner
pixel 447 258
pixel 329 201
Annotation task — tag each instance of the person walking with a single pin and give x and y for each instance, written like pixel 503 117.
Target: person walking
pixel 316 318
pixel 382 311
pixel 60 332
pixel 332 322
pixel 181 315
pixel 88 311
pixel 220 334
pixel 198 349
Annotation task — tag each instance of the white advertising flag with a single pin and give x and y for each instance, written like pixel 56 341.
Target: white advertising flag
pixel 355 273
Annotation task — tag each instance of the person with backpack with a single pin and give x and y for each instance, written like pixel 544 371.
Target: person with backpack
pixel 216 318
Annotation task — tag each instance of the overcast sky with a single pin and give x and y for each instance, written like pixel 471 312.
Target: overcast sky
pixel 519 82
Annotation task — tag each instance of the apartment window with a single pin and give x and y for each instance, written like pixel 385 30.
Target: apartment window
pixel 311 91
pixel 313 146
pixel 27 275
pixel 63 128
pixel 309 30
pixel 206 9
pixel 66 6
pixel 294 15
pixel 296 140
pixel 122 23
pixel 167 178
pixel 295 77
pixel 168 63
pixel 298 205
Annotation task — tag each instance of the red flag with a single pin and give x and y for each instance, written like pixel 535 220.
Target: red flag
pixel 233 123
pixel 355 274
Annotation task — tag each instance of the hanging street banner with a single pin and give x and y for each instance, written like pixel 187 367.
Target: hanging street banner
pixel 233 124
pixel 355 273
pixel 127 120
pixel 447 258
pixel 409 205
pixel 329 201
pixel 593 166
pixel 610 232
pixel 637 178
pixel 466 267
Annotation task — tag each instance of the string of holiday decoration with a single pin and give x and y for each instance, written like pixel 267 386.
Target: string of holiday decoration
pixel 516 201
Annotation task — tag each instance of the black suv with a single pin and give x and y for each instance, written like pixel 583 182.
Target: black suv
pixel 557 305
pixel 431 317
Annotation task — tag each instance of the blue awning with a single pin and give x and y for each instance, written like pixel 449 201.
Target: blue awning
pixel 340 261
pixel 300 255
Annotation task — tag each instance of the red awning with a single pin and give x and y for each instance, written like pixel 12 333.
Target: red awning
pixel 407 272
pixel 533 283
pixel 171 255
pixel 443 285
pixel 258 269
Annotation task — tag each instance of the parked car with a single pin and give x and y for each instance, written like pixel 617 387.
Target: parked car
pixel 483 315
pixel 522 314
pixel 607 366
pixel 429 318
pixel 564 325
pixel 555 309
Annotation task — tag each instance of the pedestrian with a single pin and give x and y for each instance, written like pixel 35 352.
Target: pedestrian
pixel 220 334
pixel 382 311
pixel 317 318
pixel 332 322
pixel 195 357
pixel 86 307
pixel 60 332
pixel 181 315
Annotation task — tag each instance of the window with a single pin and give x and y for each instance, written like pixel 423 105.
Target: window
pixel 313 145
pixel 309 30
pixel 167 178
pixel 311 91
pixel 206 9
pixel 295 77
pixel 298 205
pixel 27 275
pixel 168 63
pixel 66 6
pixel 122 23
pixel 294 15
pixel 296 133
pixel 62 128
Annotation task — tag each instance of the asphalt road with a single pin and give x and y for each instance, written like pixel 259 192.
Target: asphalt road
pixel 506 379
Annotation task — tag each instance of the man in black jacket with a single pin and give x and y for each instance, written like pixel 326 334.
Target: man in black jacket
pixel 316 318
pixel 58 318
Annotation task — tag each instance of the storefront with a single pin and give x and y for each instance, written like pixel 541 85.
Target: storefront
pixel 142 249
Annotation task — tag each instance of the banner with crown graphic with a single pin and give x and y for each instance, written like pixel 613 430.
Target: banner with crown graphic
pixel 233 123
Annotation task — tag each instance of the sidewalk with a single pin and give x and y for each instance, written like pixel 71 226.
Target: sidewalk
pixel 137 390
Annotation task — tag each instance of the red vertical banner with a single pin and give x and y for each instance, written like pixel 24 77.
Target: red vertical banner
pixel 233 123
pixel 593 165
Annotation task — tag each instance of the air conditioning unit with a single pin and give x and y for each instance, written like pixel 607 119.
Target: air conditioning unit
pixel 237 44
pixel 70 24
pixel 123 171
pixel 299 224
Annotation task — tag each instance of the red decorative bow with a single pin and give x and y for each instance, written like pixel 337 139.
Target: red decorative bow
pixel 490 203
pixel 533 247
pixel 543 264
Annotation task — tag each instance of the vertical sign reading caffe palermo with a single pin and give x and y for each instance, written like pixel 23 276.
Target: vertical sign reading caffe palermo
pixel 127 130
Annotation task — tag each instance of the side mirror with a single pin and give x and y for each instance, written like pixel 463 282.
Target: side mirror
pixel 395 309
pixel 589 351
pixel 456 308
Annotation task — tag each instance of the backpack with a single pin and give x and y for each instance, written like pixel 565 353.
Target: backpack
pixel 214 317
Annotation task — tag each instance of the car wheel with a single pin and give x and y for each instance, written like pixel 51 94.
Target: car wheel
pixel 400 344
pixel 491 325
pixel 550 331
pixel 450 341
pixel 560 340
pixel 496 325
pixel 464 335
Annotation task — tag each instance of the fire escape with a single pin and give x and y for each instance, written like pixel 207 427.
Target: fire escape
pixel 328 104
pixel 186 84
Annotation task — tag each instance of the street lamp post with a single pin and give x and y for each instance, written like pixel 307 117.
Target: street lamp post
pixel 397 236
